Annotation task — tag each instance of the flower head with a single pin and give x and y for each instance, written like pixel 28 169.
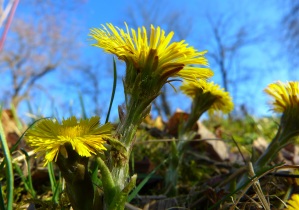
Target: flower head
pixel 151 59
pixel 50 137
pixel 286 101
pixel 293 203
pixel 208 95
pixel 286 95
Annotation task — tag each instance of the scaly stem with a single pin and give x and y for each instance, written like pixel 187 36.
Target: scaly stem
pixel 126 131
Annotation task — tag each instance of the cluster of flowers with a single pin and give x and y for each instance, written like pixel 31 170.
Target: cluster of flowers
pixel 152 60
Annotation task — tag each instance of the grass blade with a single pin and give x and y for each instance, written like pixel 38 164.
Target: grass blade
pixel 249 183
pixel 29 177
pixel 113 90
pixel 24 180
pixel 2 206
pixel 8 163
pixel 144 181
pixel 51 176
pixel 84 115
pixel 54 185
pixel 57 192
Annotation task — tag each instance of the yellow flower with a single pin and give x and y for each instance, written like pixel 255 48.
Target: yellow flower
pixel 86 137
pixel 208 95
pixel 286 101
pixel 152 59
pixel 293 203
pixel 286 95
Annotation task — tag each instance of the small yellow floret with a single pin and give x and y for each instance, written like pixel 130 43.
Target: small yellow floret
pixel 209 95
pixel 48 137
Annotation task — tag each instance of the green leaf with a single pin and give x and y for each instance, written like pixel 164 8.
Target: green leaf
pixel 117 145
pixel 144 181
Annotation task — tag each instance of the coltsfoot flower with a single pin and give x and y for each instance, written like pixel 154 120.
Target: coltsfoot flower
pixel 208 95
pixel 286 101
pixel 286 95
pixel 48 137
pixel 293 203
pixel 150 59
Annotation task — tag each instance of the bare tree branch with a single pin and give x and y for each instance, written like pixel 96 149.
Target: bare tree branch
pixel 290 28
pixel 229 41
pixel 35 49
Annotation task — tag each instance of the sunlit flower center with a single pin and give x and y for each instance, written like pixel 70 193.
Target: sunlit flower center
pixel 72 131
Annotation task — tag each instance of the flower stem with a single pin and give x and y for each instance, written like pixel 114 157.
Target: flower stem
pixel 79 187
pixel 137 110
pixel 267 156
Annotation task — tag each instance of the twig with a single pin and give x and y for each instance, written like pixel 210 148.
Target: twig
pixel 21 157
pixel 7 25
pixel 257 188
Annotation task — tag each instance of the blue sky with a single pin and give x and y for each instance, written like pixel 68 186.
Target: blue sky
pixel 262 17
pixel 262 61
